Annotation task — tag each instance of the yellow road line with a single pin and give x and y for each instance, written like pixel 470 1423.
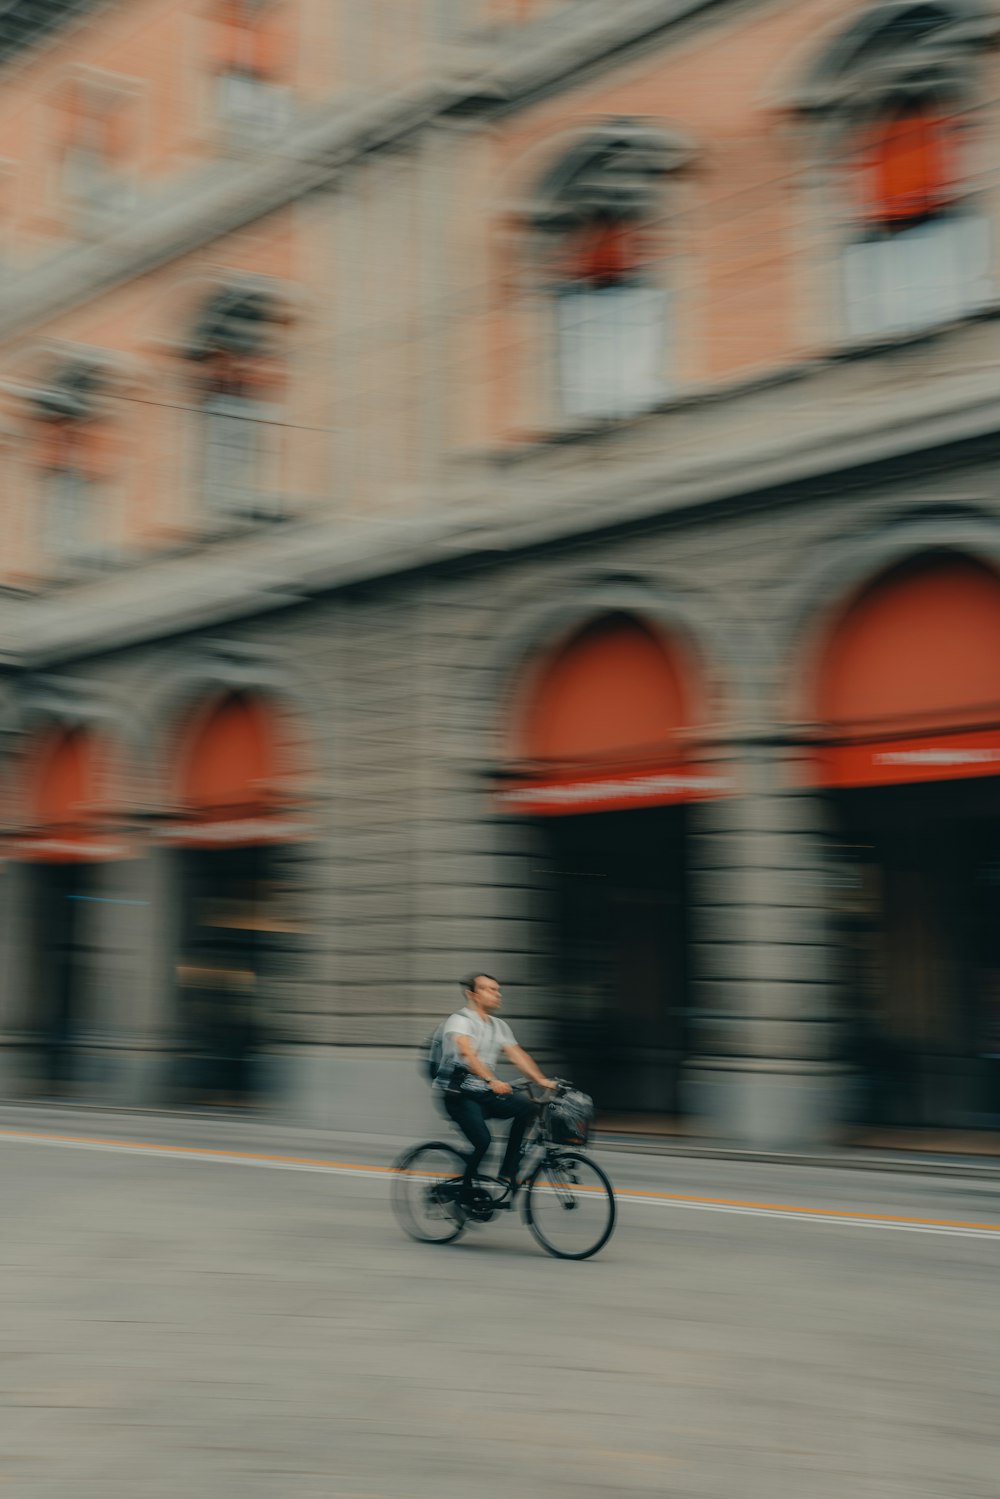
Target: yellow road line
pixel 637 1194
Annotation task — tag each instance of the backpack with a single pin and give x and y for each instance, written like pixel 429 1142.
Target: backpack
pixel 433 1054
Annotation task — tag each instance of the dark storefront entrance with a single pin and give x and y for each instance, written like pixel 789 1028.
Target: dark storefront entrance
pixel 605 763
pixel 63 849
pixel 234 845
pixel 223 970
pixel 58 904
pixel 922 941
pixel 621 955
pixel 909 696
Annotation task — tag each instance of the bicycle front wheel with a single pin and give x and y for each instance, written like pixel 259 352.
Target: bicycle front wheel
pixel 570 1205
pixel 425 1189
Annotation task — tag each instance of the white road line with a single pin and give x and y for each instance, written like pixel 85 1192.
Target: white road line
pixel 626 1195
pixel 828 1220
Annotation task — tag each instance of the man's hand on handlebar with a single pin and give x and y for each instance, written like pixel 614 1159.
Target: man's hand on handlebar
pixel 499 1088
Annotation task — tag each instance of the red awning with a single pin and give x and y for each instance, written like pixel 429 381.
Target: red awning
pixel 909 686
pixel 606 726
pixel 231 788
pixel 64 821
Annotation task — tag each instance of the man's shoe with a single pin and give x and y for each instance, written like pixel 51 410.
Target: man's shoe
pixel 506 1202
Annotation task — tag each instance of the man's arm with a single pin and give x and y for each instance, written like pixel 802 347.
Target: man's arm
pixel 470 1058
pixel 525 1064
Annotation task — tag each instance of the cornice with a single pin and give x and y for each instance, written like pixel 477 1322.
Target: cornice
pixel 495 515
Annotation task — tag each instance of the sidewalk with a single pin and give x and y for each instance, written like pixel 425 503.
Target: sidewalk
pixel 259 1130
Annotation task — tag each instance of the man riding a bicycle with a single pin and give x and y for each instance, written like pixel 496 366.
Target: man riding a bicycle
pixel 473 1040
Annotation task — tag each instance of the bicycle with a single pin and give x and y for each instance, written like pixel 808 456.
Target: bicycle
pixel 565 1193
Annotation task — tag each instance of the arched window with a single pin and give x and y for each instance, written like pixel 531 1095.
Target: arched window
pixel 919 253
pixel 73 443
pixel 251 63
pixel 235 356
pixel 597 214
pixel 895 91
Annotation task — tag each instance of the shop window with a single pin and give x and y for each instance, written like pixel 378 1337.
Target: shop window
pixel 251 64
pixel 921 254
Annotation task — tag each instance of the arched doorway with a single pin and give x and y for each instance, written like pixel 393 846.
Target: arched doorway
pixel 908 698
pixel 62 842
pixel 232 835
pixel 604 761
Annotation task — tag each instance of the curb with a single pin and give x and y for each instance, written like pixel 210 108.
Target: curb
pixel 912 1163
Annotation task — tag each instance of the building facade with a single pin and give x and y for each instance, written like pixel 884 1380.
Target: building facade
pixel 505 485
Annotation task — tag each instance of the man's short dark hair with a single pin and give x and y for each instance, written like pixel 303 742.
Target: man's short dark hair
pixel 472 979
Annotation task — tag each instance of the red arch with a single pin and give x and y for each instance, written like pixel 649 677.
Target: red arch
pixel 232 781
pixel 614 693
pixel 62 801
pixel 65 779
pixel 909 683
pixel 605 723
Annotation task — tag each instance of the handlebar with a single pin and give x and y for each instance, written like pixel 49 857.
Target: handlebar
pixel 562 1085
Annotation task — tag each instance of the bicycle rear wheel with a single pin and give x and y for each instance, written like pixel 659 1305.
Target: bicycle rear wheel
pixel 425 1190
pixel 570 1205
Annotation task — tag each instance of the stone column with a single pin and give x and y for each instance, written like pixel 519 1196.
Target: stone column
pixel 16 979
pixel 129 997
pixel 764 1076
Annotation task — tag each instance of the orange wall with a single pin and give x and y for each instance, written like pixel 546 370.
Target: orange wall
pixel 737 239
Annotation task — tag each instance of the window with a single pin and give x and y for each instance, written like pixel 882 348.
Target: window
pixel 95 134
pixel 891 96
pixel 74 460
pixel 236 376
pixel 232 449
pixel 71 529
pixel 920 255
pixel 68 515
pixel 611 327
pixel 611 320
pixel 251 64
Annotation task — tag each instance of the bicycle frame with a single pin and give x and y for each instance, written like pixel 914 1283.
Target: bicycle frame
pixel 538 1152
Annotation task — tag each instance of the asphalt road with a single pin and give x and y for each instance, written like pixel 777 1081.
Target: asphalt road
pixel 176 1323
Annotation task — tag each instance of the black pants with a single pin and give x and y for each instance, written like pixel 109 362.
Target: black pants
pixel 470 1112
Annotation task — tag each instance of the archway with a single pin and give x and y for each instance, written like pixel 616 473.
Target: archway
pixel 907 695
pixel 236 818
pixel 603 756
pixel 61 841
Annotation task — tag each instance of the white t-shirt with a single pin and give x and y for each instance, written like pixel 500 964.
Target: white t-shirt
pixel 488 1035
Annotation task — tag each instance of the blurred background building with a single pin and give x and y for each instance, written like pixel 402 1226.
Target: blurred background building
pixel 503 483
